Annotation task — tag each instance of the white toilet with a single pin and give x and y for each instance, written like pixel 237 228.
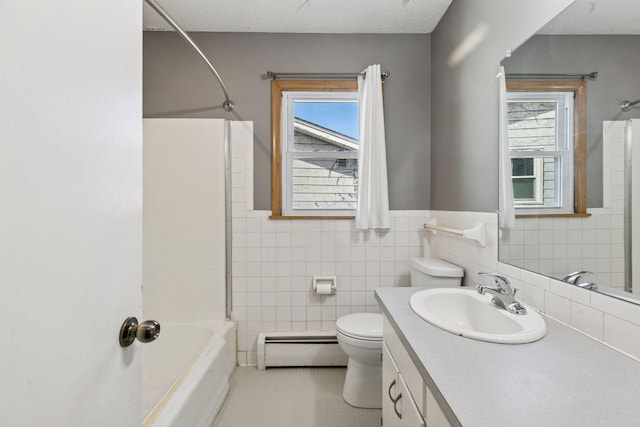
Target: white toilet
pixel 360 335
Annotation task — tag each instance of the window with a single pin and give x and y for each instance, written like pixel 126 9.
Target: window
pixel 546 141
pixel 540 127
pixel 315 148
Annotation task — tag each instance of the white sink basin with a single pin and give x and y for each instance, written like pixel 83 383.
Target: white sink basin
pixel 466 313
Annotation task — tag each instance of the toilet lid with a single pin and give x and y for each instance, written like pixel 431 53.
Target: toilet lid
pixel 361 325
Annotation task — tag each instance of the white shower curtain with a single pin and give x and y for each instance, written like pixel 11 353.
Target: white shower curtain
pixel 372 211
pixel 506 210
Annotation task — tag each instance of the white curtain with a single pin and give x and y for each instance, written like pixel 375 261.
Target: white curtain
pixel 506 211
pixel 372 210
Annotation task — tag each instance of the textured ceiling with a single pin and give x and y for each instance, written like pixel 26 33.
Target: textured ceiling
pixel 301 16
pixel 597 17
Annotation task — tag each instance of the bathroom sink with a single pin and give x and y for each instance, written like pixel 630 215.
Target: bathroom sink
pixel 466 313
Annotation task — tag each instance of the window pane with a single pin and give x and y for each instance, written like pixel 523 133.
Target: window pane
pixel 532 125
pixel 324 183
pixel 536 181
pixel 524 189
pixel 522 167
pixel 325 126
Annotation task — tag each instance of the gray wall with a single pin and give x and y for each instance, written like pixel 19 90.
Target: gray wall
pixel 178 84
pixel 617 61
pixel 464 98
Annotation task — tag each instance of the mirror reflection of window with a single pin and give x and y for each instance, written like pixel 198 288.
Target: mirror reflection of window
pixel 540 136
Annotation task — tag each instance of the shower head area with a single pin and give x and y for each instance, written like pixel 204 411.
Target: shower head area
pixel 627 105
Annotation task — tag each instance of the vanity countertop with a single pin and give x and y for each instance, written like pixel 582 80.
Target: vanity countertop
pixel 565 379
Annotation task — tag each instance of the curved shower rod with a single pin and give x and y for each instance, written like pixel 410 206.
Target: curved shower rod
pixel 227 105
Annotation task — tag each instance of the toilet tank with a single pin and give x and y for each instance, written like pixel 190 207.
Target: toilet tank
pixel 435 273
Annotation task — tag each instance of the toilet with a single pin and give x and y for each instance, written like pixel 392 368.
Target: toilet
pixel 360 335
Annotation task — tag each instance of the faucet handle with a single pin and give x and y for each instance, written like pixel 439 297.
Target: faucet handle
pixel 501 282
pixel 575 276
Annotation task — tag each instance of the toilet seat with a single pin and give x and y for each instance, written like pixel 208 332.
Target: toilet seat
pixel 361 326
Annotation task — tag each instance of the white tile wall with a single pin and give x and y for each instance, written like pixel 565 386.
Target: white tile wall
pixel 184 234
pixel 272 288
pixel 275 260
pixel 559 246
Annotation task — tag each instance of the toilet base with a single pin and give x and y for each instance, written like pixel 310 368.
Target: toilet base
pixel 363 385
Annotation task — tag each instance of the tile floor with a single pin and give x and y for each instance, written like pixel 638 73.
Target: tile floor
pixel 291 397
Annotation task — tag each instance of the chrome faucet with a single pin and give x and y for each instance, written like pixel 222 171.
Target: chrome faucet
pixel 503 294
pixel 573 278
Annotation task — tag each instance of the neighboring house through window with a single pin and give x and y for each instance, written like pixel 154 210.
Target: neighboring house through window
pixel 546 141
pixel 315 148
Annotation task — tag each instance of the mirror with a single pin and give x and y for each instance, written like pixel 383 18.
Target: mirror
pixel 589 36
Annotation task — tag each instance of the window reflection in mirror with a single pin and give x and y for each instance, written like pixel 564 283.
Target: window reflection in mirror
pixel 540 131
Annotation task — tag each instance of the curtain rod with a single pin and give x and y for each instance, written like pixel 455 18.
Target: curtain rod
pixel 227 105
pixel 273 75
pixel 544 76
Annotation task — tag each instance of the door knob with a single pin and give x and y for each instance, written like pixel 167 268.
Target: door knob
pixel 146 331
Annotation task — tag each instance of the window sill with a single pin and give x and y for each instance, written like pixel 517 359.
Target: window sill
pixel 571 215
pixel 311 217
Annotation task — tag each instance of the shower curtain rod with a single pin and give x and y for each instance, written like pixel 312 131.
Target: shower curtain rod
pixel 545 76
pixel 273 75
pixel 626 105
pixel 227 105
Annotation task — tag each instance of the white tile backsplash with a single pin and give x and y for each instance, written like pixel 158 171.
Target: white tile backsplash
pixel 557 307
pixel 622 335
pixel 587 319
pixel 532 296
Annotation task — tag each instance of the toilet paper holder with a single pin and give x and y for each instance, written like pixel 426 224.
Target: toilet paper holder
pixel 324 285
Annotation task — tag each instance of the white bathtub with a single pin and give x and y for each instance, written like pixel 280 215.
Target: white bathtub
pixel 185 373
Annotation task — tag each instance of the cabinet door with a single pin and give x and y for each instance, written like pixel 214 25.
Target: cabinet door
pixel 390 388
pixel 435 417
pixel 410 414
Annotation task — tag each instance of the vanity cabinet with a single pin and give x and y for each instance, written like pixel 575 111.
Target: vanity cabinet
pixel 398 406
pixel 406 400
pixel 452 392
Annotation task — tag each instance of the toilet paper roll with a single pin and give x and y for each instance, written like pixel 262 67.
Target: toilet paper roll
pixel 323 289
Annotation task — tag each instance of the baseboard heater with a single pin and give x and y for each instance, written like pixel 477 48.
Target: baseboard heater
pixel 279 349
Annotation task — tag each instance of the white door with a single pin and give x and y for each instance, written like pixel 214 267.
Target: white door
pixel 70 212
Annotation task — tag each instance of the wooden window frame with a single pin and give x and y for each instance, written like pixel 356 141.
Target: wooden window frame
pixel 579 89
pixel 277 87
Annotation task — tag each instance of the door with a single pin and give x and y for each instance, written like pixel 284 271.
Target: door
pixel 70 212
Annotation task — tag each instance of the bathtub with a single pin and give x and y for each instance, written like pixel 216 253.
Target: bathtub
pixel 185 373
